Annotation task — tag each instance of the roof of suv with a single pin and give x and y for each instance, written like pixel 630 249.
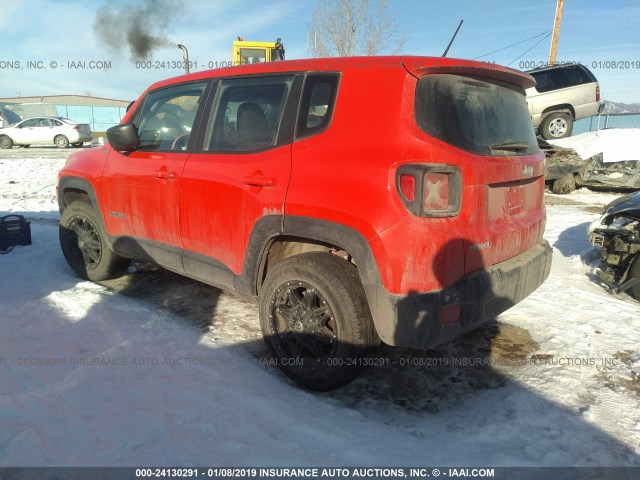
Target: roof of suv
pixel 416 65
pixel 553 67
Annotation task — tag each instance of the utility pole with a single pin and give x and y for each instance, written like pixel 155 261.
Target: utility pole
pixel 556 33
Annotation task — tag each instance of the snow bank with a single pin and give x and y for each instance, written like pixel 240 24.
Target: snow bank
pixel 616 144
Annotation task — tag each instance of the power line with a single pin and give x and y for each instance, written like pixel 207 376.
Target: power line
pixel 538 43
pixel 514 44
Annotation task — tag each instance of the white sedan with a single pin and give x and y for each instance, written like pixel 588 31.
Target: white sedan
pixel 45 130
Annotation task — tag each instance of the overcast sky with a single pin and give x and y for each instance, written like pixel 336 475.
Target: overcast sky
pixel 48 46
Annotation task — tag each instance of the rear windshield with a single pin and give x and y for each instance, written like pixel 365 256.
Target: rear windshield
pixel 479 115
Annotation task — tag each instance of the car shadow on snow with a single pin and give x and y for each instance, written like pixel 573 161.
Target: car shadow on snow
pixel 409 379
pixel 187 299
pixel 574 240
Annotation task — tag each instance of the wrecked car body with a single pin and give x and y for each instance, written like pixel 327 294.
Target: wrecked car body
pixel 562 168
pixel 619 175
pixel 566 171
pixel 617 232
pixel 603 160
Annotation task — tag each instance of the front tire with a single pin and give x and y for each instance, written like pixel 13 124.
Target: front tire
pixel 5 142
pixel 556 125
pixel 84 246
pixel 564 185
pixel 316 321
pixel 61 141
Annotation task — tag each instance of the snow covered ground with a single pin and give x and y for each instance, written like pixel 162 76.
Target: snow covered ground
pixel 159 370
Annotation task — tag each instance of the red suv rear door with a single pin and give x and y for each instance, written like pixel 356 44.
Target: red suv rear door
pixel 243 170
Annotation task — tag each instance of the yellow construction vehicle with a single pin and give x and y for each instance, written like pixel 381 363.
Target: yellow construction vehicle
pixel 245 51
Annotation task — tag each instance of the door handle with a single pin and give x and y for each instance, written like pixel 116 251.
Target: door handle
pixel 259 181
pixel 165 175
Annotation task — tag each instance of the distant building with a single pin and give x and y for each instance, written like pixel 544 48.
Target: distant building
pixel 100 113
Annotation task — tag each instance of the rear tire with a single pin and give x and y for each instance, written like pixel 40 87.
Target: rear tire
pixel 556 125
pixel 84 246
pixel 316 321
pixel 61 141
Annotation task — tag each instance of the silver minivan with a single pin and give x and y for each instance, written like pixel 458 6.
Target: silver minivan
pixel 563 94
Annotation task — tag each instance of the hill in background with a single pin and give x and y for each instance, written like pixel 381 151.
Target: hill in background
pixel 617 107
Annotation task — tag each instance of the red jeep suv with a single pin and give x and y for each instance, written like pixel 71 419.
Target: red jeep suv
pixel 357 200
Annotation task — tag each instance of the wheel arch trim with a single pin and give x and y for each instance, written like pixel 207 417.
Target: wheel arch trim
pixel 269 229
pixel 562 108
pixel 77 183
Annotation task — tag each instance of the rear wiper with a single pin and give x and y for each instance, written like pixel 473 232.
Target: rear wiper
pixel 510 146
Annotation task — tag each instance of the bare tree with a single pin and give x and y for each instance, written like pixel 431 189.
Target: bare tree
pixel 346 28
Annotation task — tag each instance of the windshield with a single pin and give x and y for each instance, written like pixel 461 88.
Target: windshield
pixel 479 115
pixel 8 116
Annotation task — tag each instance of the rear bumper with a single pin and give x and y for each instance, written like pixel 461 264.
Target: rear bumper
pixel 424 320
pixel 84 137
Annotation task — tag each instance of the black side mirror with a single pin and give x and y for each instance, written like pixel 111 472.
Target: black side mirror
pixel 123 137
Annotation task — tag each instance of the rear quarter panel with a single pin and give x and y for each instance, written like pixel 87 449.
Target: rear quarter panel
pixel 347 175
pixel 342 174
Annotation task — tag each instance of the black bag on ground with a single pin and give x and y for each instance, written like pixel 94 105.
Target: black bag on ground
pixel 14 230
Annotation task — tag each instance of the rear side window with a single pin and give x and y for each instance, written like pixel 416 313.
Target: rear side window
pixel 556 78
pixel 318 99
pixel 479 115
pixel 544 81
pixel 248 114
pixel 578 75
pixel 167 118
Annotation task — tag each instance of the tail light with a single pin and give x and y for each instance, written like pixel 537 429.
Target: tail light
pixel 408 187
pixel 429 190
pixel 76 127
pixel 598 93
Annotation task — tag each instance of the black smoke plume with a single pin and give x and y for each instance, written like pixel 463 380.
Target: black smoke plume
pixel 141 27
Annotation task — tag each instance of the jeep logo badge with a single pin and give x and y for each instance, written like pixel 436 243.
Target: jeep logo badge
pixel 527 170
